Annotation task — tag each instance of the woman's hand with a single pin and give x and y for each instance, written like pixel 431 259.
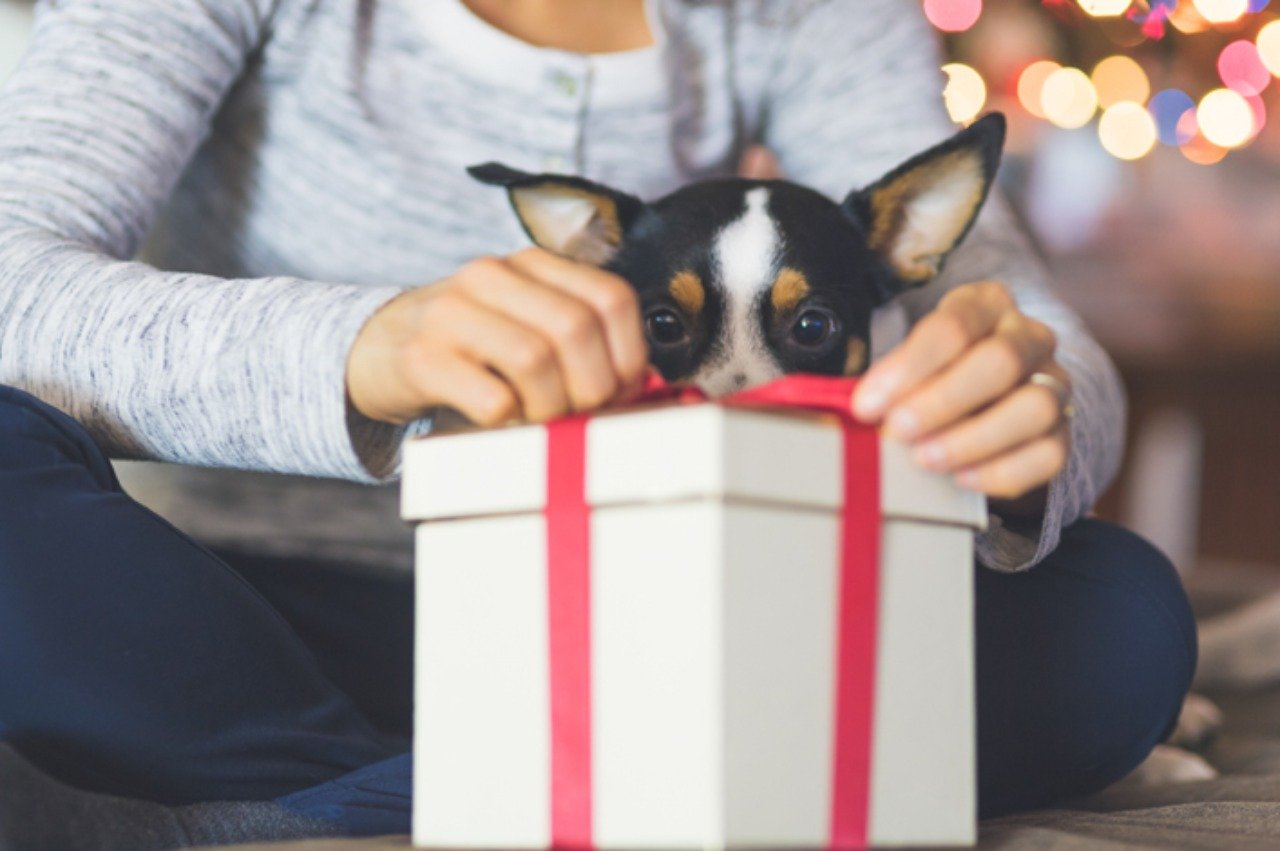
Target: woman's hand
pixel 529 336
pixel 957 389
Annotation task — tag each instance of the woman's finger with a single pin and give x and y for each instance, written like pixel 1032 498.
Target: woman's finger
pixel 613 300
pixel 1023 415
pixel 519 354
pixel 570 325
pixel 987 371
pixel 1020 470
pixel 470 388
pixel 964 316
pixel 759 163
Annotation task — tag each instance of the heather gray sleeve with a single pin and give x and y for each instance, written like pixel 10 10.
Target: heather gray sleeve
pixel 856 91
pixel 96 126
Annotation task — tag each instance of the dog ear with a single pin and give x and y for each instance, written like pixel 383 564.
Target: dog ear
pixel 582 220
pixel 916 214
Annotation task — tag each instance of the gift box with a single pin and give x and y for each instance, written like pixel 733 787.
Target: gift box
pixel 735 624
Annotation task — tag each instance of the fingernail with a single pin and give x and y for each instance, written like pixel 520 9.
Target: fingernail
pixel 869 404
pixel 903 424
pixel 969 480
pixel 931 455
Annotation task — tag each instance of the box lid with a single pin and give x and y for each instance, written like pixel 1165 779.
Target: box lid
pixel 667 454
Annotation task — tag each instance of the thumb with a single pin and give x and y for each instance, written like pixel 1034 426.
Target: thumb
pixel 759 163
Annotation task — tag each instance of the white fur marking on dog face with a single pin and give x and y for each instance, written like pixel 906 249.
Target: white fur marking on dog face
pixel 747 248
pixel 746 257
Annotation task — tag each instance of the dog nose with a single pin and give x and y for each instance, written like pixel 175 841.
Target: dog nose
pixel 739 380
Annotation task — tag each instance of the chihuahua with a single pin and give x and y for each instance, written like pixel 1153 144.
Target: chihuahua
pixel 742 280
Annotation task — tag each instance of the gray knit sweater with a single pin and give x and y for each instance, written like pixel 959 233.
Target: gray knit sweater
pixel 296 163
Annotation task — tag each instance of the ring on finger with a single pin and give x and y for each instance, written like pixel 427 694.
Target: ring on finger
pixel 1058 388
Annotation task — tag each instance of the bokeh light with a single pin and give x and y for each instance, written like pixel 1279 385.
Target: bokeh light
pixel 1241 68
pixel 1031 85
pixel 1119 78
pixel 1259 114
pixel 1225 118
pixel 1200 150
pixel 1186 19
pixel 1167 108
pixel 1221 11
pixel 965 94
pixel 1105 8
pixel 1127 130
pixel 953 16
pixel 1118 69
pixel 1269 47
pixel 1068 98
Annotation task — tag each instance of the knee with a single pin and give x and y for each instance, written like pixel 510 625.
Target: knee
pixel 1107 657
pixel 1135 596
pixel 36 436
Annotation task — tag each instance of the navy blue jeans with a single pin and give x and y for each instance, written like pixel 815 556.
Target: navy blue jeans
pixel 137 662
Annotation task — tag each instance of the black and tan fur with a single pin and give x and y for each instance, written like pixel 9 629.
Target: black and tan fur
pixel 743 280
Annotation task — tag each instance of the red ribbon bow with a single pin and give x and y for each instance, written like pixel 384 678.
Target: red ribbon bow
pixel 569 574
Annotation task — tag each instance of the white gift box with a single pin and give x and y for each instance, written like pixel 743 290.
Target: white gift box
pixel 714 574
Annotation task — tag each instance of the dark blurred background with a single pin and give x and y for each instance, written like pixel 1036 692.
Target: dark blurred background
pixel 1144 163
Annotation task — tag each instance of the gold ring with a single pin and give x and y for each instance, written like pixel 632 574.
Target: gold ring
pixel 1058 388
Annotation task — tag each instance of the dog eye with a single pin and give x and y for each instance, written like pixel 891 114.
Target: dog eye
pixel 665 327
pixel 813 328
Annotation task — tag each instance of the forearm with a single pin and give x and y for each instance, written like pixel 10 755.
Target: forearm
pixel 96 126
pixel 187 368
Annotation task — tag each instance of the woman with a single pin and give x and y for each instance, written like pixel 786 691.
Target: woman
pixel 304 162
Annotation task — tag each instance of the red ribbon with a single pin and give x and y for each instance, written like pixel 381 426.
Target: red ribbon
pixel 569 609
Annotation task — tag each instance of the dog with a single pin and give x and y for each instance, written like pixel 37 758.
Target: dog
pixel 741 281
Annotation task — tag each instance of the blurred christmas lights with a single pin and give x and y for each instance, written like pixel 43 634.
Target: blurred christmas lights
pixel 1221 11
pixel 1168 108
pixel 953 16
pixel 1068 98
pixel 1127 130
pixel 1105 8
pixel 1225 118
pixel 1119 78
pixel 1268 43
pixel 1243 49
pixel 966 93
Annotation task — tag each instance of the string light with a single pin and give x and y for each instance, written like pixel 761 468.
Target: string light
pixel 1068 98
pixel 1221 11
pixel 1268 43
pixel 1131 120
pixel 1127 131
pixel 953 16
pixel 1241 68
pixel 1105 8
pixel 966 93
pixel 1225 118
pixel 1201 151
pixel 1031 85
pixel 1119 78
pixel 1169 108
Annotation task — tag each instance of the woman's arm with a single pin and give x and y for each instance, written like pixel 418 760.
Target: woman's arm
pixel 857 90
pixel 96 126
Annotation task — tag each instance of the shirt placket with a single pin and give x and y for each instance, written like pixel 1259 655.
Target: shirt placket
pixel 567 86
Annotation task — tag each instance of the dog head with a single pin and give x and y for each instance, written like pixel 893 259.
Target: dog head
pixel 742 280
